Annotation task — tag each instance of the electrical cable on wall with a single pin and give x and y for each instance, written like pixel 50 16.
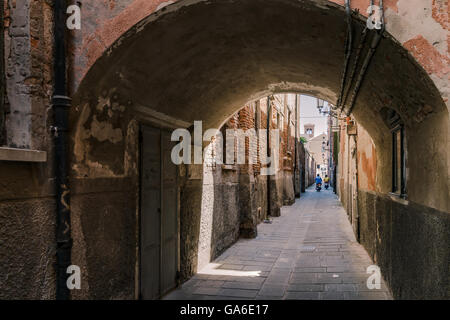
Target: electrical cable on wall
pixel 348 49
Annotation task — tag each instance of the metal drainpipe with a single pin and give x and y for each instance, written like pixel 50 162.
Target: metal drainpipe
pixel 269 116
pixel 348 51
pixel 373 47
pixel 349 194
pixel 2 75
pixel 357 189
pixel 295 146
pixel 61 104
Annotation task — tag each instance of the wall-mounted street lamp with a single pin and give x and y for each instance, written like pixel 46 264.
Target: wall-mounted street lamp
pixel 326 110
pixel 320 105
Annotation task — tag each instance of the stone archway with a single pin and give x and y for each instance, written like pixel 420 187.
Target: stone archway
pixel 201 60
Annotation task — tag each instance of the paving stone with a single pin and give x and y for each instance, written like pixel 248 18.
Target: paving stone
pixel 239 293
pixel 331 261
pixel 180 294
pixel 328 278
pixel 199 276
pixel 328 250
pixel 302 280
pixel 272 290
pixel 306 287
pixel 346 269
pixel 365 296
pixel 206 291
pixel 341 287
pixel 248 279
pixel 355 278
pixel 256 268
pixel 278 279
pixel 295 257
pixel 302 296
pixel 334 253
pixel 242 285
pixel 310 270
pixel 257 263
pixel 210 283
pixel 191 283
pixel 308 263
pixel 221 277
pixel 333 295
pixel 363 287
pixel 228 266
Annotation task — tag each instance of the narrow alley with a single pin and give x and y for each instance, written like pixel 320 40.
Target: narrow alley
pixel 308 253
pixel 169 150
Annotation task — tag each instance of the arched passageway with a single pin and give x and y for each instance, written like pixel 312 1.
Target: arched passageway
pixel 198 60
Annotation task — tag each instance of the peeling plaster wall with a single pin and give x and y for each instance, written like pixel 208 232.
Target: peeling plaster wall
pixel 104 122
pixel 220 213
pixel 394 79
pixel 410 244
pixel 407 240
pixel 367 161
pixel 105 197
pixel 105 240
pixel 27 206
pixel 18 57
pixel 234 197
pixel 28 54
pixel 420 25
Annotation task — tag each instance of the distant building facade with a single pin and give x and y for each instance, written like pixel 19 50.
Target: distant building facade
pixel 319 150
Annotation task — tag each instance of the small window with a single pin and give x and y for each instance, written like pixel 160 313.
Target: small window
pixel 279 122
pixel 288 130
pixel 398 152
pixel 257 116
pixel 398 161
pixel 228 153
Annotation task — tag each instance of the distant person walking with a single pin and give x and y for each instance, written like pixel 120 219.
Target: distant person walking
pixel 318 179
pixel 318 183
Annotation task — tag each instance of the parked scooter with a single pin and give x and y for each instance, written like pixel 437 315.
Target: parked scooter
pixel 318 187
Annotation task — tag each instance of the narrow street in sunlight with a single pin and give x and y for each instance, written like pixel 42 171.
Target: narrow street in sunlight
pixel 309 252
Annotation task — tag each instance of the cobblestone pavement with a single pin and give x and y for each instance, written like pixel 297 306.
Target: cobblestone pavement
pixel 308 253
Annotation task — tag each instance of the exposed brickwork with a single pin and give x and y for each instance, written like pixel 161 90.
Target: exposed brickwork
pixel 440 12
pixel 107 21
pixel 26 190
pixel 433 61
pixel 105 143
pixel 245 119
pixel 40 80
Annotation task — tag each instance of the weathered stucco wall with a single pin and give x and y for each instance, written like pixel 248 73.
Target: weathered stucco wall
pixel 420 25
pixel 117 86
pixel 27 206
pixel 27 254
pixel 410 244
pixel 217 203
pixel 367 161
pixel 104 203
pixel 234 197
pixel 28 55
pixel 220 213
pixel 408 90
pixel 105 239
pixel 407 240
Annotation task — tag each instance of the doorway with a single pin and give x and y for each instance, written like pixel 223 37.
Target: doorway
pixel 158 215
